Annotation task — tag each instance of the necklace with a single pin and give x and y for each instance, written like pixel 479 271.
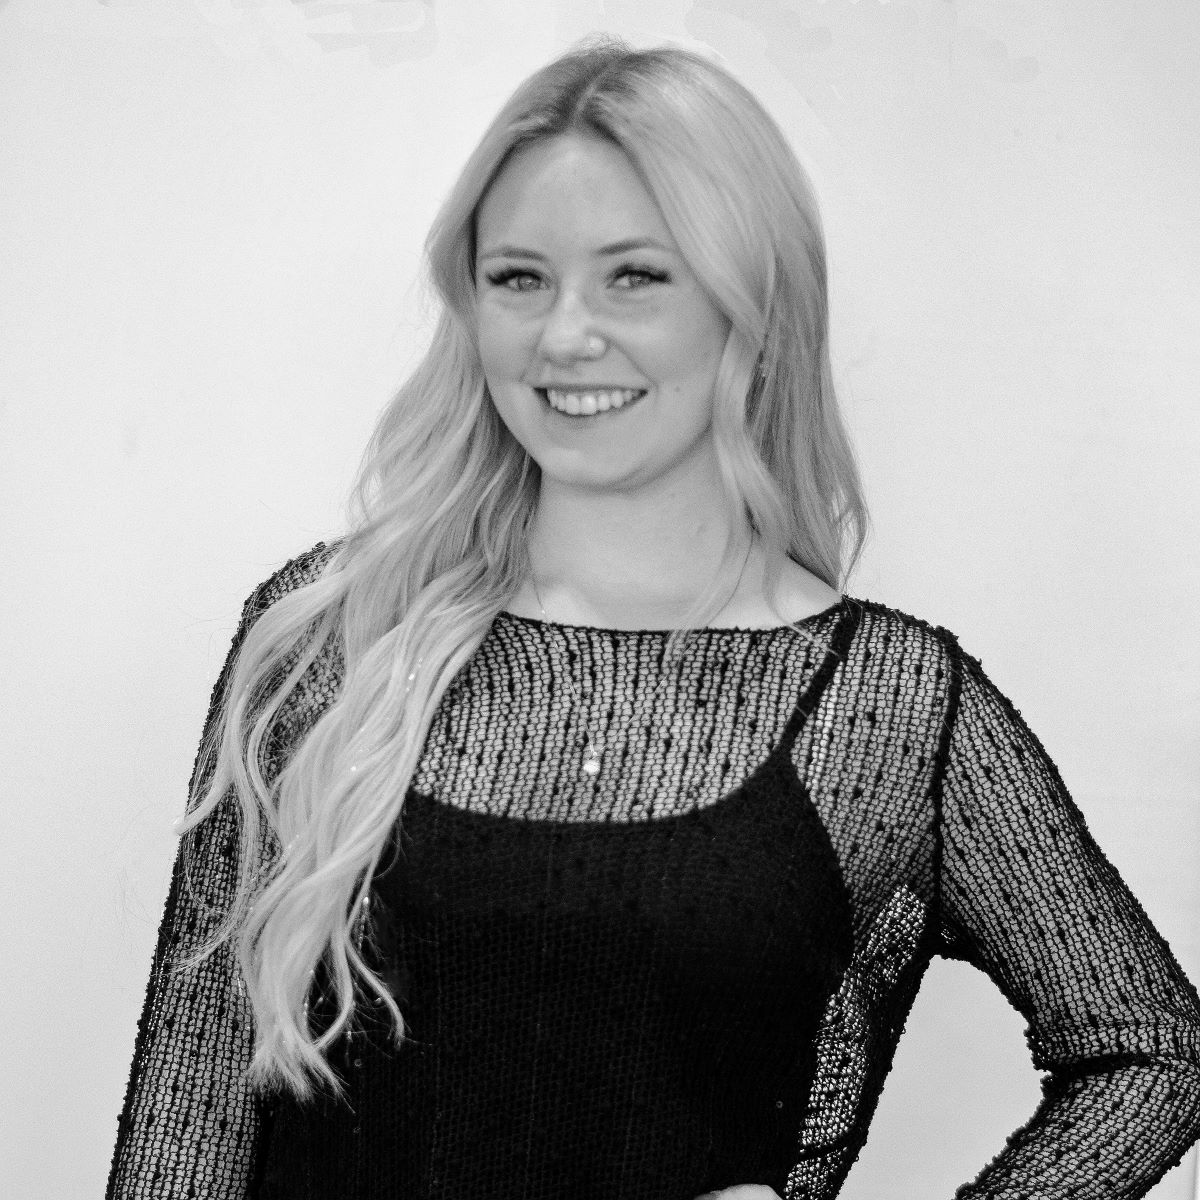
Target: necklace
pixel 594 746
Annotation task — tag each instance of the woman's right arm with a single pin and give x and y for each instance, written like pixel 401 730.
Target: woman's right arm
pixel 190 1124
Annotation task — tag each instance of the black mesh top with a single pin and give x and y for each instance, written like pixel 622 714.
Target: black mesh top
pixel 689 971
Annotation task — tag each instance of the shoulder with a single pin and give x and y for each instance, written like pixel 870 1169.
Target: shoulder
pixel 888 641
pixel 312 693
pixel 296 573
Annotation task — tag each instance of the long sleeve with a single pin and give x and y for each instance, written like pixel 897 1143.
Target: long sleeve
pixel 1028 897
pixel 190 1125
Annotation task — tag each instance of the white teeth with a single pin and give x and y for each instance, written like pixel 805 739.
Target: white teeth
pixel 588 403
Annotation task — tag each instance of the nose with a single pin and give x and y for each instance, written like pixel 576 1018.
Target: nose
pixel 568 330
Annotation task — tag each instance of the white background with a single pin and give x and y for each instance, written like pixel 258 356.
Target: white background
pixel 210 220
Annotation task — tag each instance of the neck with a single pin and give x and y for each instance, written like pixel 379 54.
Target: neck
pixel 626 559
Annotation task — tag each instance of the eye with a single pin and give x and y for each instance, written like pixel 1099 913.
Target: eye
pixel 515 279
pixel 634 278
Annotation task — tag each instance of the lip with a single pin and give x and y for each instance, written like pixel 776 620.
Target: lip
pixel 581 390
pixel 582 419
pixel 588 387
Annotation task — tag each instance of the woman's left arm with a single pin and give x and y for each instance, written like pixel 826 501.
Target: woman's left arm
pixel 1027 896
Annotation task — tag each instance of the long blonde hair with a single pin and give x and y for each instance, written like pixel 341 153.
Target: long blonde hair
pixel 442 506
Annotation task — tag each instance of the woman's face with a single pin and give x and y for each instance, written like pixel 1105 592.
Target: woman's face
pixel 570 247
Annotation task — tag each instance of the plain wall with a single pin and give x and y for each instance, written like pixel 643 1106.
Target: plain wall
pixel 210 221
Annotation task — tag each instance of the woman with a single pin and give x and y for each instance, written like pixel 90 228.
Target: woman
pixel 564 830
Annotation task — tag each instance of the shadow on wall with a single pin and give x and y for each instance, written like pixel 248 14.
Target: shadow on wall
pixel 391 31
pixel 921 31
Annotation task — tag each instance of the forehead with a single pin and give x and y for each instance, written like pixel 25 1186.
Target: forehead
pixel 584 189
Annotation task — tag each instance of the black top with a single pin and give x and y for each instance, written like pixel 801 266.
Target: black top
pixel 690 970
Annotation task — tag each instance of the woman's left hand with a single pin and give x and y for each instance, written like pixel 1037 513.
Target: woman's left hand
pixel 745 1191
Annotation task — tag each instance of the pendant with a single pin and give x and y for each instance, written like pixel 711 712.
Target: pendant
pixel 591 761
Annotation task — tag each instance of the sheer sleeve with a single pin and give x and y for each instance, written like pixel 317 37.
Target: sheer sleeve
pixel 190 1125
pixel 1027 896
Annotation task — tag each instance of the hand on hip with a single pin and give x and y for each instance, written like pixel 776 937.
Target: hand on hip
pixel 745 1191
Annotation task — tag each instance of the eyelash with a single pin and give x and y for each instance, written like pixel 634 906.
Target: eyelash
pixel 506 276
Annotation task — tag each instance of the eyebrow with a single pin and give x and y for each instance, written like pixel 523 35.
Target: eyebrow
pixel 622 247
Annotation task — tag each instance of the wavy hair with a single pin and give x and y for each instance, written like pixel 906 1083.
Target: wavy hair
pixel 441 510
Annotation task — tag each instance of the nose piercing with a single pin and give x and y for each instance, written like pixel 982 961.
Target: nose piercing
pixel 595 346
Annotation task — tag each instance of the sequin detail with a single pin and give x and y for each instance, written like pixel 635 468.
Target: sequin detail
pixel 691 969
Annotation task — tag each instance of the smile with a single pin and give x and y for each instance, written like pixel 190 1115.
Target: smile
pixel 589 403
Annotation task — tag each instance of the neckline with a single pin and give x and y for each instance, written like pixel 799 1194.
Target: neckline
pixel 838 606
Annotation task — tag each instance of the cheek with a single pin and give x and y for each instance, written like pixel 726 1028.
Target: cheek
pixel 504 347
pixel 710 331
pixel 692 332
pixel 691 349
